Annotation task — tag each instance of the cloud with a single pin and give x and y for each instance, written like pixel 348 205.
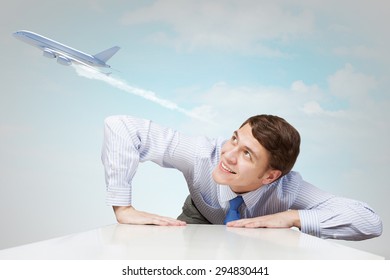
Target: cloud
pixel 245 26
pixel 348 83
pixel 348 92
pixel 358 51
pixel 342 123
pixel 313 107
pixel 269 28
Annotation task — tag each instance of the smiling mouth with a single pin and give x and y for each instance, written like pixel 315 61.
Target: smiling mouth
pixel 224 167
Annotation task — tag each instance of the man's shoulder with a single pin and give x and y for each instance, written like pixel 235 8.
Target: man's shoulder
pixel 290 181
pixel 209 147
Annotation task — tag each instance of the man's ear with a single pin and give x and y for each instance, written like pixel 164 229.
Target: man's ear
pixel 271 176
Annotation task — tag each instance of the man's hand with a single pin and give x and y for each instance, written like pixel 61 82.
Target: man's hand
pixel 129 215
pixel 285 219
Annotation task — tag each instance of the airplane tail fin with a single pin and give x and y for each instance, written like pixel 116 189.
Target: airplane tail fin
pixel 107 54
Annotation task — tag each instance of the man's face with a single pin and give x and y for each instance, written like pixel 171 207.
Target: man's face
pixel 244 163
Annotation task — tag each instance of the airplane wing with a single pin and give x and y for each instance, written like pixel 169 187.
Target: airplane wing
pixel 65 59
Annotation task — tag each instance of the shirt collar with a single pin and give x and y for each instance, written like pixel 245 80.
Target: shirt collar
pixel 250 198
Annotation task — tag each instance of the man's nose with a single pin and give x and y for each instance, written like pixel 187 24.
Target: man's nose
pixel 231 156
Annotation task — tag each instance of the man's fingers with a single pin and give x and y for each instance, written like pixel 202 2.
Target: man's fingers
pixel 162 221
pixel 284 219
pixel 129 215
pixel 248 223
pixel 166 221
pixel 237 223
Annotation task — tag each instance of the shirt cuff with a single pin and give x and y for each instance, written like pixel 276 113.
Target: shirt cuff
pixel 310 223
pixel 118 196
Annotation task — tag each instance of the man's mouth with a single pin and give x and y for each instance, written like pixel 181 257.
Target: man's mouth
pixel 224 167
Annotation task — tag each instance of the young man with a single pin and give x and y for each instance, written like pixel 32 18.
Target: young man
pixel 251 170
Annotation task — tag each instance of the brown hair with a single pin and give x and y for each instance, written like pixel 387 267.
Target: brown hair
pixel 280 138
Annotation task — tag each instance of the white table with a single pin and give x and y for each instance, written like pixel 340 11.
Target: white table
pixel 210 242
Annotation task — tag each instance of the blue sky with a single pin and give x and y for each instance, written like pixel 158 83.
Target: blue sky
pixel 324 66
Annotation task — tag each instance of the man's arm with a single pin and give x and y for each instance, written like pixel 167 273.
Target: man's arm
pixel 320 214
pixel 341 218
pixel 128 141
pixel 350 221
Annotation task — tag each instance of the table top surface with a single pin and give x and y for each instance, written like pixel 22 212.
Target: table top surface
pixel 145 242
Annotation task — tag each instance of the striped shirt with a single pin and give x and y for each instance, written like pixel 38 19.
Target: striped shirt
pixel 128 141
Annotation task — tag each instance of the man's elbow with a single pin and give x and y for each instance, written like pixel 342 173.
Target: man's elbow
pixel 374 229
pixel 377 229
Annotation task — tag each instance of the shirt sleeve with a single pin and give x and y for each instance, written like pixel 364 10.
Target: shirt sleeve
pixel 328 216
pixel 128 141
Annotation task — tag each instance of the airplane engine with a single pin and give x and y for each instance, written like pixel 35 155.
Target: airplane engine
pixel 64 61
pixel 49 54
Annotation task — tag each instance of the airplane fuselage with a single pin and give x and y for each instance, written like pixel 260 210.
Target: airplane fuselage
pixel 65 55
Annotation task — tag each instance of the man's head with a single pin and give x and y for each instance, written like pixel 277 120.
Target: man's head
pixel 279 138
pixel 262 150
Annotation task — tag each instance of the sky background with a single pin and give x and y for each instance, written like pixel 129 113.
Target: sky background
pixel 322 65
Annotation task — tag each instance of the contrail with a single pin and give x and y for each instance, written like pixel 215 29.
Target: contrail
pixel 146 94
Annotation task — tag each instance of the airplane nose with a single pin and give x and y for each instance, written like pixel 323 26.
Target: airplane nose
pixel 19 35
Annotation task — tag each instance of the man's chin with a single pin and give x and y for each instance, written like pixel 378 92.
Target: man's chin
pixel 217 178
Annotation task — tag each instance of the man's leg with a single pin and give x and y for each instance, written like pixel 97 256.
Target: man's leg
pixel 191 214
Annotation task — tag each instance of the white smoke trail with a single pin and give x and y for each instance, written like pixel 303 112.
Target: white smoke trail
pixel 89 73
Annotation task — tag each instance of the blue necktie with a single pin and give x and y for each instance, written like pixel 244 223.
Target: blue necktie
pixel 233 213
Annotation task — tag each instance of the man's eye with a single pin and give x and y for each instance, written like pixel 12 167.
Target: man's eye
pixel 234 139
pixel 247 154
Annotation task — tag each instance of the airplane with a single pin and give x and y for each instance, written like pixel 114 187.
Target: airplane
pixel 65 55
